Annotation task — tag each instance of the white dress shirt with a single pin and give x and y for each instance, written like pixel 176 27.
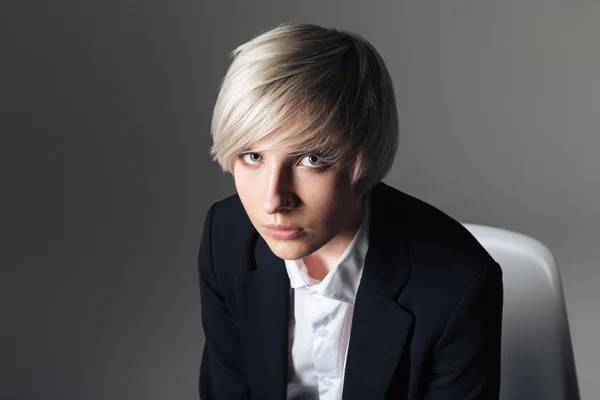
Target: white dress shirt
pixel 320 321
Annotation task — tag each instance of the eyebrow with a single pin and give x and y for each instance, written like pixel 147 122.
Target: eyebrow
pixel 251 150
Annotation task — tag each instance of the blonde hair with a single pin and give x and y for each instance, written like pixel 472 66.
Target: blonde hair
pixel 329 91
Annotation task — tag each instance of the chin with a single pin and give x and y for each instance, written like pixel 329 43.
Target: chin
pixel 288 250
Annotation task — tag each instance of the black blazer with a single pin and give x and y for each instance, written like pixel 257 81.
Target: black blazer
pixel 427 316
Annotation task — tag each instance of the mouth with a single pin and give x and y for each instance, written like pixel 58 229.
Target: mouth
pixel 282 232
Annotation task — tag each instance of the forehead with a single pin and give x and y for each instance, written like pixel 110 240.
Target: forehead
pixel 281 142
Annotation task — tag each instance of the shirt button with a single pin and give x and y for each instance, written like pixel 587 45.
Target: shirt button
pixel 327 383
pixel 323 333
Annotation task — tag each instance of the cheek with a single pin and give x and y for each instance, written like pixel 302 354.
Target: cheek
pixel 333 204
pixel 246 189
pixel 243 180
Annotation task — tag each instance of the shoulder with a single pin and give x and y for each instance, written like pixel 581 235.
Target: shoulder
pixel 437 242
pixel 444 258
pixel 232 235
pixel 229 222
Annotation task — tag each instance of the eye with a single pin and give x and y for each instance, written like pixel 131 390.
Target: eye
pixel 250 158
pixel 312 160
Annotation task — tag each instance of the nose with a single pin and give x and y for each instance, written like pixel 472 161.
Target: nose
pixel 279 196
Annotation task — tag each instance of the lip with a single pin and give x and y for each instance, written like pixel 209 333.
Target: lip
pixel 283 232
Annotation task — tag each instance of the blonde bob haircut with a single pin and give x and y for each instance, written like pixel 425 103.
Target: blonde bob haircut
pixel 329 93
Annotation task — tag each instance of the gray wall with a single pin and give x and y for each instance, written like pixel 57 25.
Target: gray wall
pixel 106 178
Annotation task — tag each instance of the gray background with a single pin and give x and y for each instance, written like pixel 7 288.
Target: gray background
pixel 105 111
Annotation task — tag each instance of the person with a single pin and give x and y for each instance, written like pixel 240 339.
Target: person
pixel 318 280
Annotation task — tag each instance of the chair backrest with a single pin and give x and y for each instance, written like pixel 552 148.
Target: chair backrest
pixel 537 355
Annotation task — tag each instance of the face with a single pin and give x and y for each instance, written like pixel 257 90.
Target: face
pixel 299 205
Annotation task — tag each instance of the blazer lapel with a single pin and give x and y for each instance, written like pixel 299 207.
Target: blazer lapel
pixel 380 327
pixel 264 323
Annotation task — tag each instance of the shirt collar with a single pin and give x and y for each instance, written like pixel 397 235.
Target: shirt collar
pixel 341 283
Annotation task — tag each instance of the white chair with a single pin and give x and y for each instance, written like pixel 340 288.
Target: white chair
pixel 537 355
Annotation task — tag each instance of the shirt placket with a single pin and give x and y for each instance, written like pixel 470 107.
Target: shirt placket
pixel 323 312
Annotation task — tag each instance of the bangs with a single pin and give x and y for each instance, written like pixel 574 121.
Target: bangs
pixel 300 131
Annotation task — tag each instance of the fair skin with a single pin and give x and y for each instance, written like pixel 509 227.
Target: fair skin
pixel 302 197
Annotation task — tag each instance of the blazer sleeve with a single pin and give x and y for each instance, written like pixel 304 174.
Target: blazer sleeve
pixel 466 359
pixel 222 374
